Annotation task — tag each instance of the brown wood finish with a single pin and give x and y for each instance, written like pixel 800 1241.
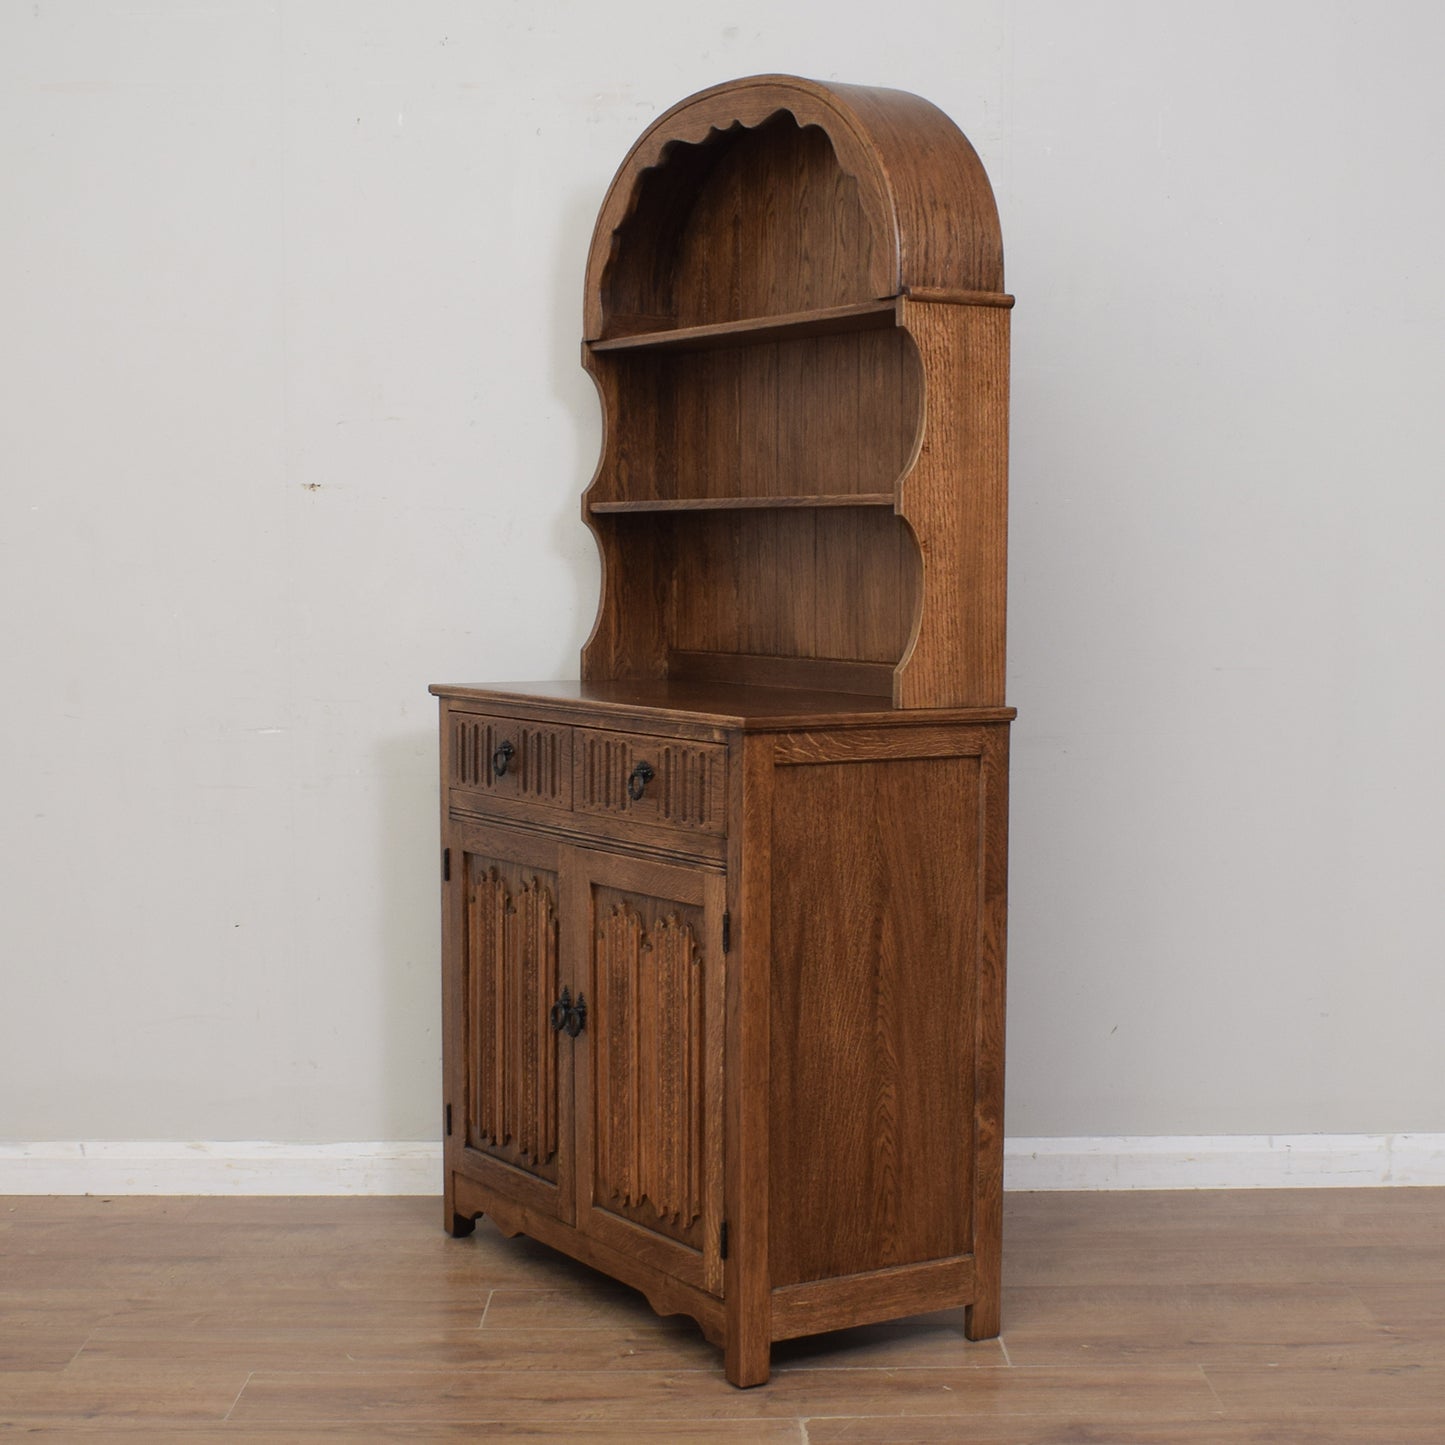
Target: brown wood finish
pixel 1243 1317
pixel 652 1062
pixel 955 500
pixel 811 310
pixel 872 1090
pixel 763 839
pixel 509 1096
pixel 684 785
pixel 707 708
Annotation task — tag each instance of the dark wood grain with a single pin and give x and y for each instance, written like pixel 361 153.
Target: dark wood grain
pixel 872 1094
pixel 705 708
pixel 650 1061
pixel 750 330
pixel 748 1293
pixel 511 1114
pixel 734 504
pixel 913 203
pixel 774 376
pixel 955 500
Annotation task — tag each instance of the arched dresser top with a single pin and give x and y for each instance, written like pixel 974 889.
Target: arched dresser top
pixel 920 183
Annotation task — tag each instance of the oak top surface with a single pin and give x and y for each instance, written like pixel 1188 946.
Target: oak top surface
pixel 727 704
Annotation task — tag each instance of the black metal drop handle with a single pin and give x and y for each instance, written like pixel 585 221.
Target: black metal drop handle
pixel 638 779
pixel 564 1014
pixel 577 1016
pixel 557 1014
pixel 502 758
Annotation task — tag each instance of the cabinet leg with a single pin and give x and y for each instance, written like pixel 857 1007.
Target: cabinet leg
pixel 981 1319
pixel 458 1225
pixel 747 1363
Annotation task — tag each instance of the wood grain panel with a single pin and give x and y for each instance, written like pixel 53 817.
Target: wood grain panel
pixel 913 205
pixel 650 1060
pixel 955 498
pixel 775 227
pixel 875 941
pixel 512 981
pixel 648 1052
pixel 833 414
pixel 756 582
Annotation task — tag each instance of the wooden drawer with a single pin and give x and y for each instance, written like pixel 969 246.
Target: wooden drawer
pixel 504 757
pixel 651 779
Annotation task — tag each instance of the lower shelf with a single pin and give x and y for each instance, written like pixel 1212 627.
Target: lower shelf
pixel 738 504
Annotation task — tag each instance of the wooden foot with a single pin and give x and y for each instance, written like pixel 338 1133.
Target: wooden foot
pixel 457 1225
pixel 747 1366
pixel 981 1319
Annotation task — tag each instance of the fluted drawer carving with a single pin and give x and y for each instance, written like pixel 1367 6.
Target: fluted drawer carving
pixel 649 1040
pixel 513 759
pixel 511 980
pixel 652 780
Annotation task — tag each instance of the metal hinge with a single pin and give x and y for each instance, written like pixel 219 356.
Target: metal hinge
pixel 722 1241
pixel 449 1121
pixel 446 865
pixel 727 931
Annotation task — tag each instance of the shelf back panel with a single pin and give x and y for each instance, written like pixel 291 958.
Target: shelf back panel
pixel 823 415
pixel 827 584
pixel 748 222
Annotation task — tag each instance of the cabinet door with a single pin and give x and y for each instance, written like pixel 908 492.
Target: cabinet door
pixel 512 1073
pixel 649 1062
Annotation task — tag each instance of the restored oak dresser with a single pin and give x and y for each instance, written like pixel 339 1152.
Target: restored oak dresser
pixel 724 920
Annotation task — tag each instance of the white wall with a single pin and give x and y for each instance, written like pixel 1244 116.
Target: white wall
pixel 291 424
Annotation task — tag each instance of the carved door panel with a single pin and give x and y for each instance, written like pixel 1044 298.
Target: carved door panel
pixel 649 1062
pixel 515 1069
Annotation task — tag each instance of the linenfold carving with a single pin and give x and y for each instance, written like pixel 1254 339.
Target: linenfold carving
pixel 649 1061
pixel 512 980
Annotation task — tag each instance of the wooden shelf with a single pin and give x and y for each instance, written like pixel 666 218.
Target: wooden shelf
pixel 826 321
pixel 739 504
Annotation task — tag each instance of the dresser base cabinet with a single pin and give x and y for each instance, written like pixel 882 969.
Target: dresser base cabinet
pixel 750 1061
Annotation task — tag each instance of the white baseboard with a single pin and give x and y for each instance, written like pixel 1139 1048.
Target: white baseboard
pixel 251 1167
pixel 1227 1161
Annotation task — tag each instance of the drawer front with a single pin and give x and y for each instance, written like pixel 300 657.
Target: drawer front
pixel 651 780
pixel 509 758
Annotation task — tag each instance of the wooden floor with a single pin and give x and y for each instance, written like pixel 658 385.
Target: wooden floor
pixel 1132 1319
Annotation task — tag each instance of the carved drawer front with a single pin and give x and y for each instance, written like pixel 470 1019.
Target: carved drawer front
pixel 509 758
pixel 651 780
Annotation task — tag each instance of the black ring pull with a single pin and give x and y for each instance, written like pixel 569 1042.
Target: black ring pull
pixel 638 779
pixel 557 1014
pixel 501 760
pixel 577 1016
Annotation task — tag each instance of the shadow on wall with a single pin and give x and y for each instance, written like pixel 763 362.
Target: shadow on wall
pixel 408 883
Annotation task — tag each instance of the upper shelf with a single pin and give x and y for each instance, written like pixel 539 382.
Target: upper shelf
pixel 794 325
pixel 748 503
pixel 778 194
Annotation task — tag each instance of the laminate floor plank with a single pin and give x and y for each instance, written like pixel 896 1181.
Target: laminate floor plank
pixel 1381 1429
pixel 85 1392
pixel 1243 1318
pixel 652 1432
pixel 42 1342
pixel 560 1398
pixel 1245 1324
pixel 336 1350
pixel 1309 1392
